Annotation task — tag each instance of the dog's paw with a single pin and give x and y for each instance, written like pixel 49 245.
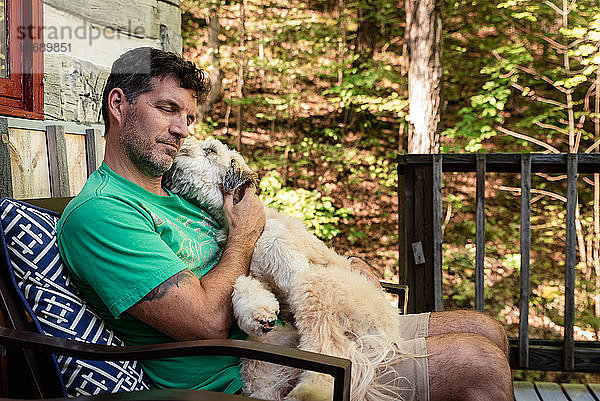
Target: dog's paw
pixel 255 308
pixel 264 320
pixel 260 321
pixel 309 392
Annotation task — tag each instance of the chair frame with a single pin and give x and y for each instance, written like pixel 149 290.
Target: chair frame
pixel 27 370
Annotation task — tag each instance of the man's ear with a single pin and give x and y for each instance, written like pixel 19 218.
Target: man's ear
pixel 116 105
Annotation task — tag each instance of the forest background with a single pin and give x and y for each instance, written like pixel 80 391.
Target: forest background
pixel 315 95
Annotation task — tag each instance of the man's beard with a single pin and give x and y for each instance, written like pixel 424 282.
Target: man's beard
pixel 142 153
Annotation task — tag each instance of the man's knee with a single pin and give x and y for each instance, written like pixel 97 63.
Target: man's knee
pixel 467 367
pixel 494 331
pixel 469 321
pixel 490 369
pixel 485 360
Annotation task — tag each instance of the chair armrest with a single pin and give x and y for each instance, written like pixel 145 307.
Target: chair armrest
pixel 399 289
pixel 55 204
pixel 156 395
pixel 339 368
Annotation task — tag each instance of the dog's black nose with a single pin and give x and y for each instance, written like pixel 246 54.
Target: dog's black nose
pixel 266 329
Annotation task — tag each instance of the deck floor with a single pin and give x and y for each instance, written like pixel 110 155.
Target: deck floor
pixel 525 391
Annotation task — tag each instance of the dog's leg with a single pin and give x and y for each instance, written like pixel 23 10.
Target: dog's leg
pixel 339 313
pixel 320 330
pixel 269 381
pixel 306 243
pixel 321 337
pixel 276 258
pixel 254 307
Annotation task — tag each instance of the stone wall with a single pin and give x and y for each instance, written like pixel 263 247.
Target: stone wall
pixel 92 34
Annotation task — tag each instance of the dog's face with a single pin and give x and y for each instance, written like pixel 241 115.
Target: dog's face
pixel 201 169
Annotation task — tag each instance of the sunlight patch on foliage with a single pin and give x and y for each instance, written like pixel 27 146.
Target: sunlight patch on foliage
pixel 318 212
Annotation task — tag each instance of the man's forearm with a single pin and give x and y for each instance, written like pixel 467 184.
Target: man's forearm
pixel 245 221
pixel 187 308
pixel 218 282
pixel 195 308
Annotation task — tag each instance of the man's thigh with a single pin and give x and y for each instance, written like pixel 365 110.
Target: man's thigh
pixel 468 321
pixel 467 366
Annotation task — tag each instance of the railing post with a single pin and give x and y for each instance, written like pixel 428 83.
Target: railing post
pixel 570 260
pixel 417 271
pixel 525 254
pixel 480 233
pixel 402 251
pixel 438 288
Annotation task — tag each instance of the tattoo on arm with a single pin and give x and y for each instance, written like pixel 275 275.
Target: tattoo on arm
pixel 165 286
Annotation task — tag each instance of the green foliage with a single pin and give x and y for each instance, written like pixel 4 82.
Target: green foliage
pixel 323 121
pixel 485 109
pixel 369 87
pixel 355 236
pixel 205 128
pixel 274 107
pixel 460 277
pixel 513 261
pixel 317 211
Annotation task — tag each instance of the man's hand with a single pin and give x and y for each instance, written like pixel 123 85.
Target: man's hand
pixel 246 219
pixel 185 307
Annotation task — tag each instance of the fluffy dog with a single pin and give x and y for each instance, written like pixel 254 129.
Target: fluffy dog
pixel 328 308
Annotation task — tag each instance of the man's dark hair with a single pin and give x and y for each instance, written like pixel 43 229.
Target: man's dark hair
pixel 133 72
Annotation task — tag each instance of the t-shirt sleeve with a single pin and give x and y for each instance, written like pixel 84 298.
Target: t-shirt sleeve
pixel 113 247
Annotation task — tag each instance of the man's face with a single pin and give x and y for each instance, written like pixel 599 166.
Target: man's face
pixel 155 126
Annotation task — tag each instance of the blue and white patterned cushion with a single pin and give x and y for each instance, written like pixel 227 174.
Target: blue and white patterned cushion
pixel 28 237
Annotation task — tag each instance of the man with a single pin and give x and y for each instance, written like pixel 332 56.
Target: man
pixel 148 262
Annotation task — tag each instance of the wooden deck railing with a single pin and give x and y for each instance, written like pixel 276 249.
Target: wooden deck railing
pixel 420 226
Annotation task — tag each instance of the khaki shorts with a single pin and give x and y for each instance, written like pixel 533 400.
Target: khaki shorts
pixel 414 370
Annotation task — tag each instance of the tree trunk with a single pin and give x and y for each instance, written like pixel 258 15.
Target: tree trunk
pixel 424 43
pixel 573 143
pixel 341 41
pixel 366 34
pixel 241 68
pixel 216 75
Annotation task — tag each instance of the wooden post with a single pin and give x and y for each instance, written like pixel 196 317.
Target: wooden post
pixel 402 251
pixel 57 161
pixel 570 261
pixel 93 149
pixel 480 233
pixel 525 250
pixel 438 287
pixel 418 232
pixel 6 188
pixel 407 217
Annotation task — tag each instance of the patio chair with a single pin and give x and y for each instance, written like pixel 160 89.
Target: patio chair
pixel 54 346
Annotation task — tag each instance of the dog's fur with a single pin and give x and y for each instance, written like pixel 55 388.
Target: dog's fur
pixel 328 308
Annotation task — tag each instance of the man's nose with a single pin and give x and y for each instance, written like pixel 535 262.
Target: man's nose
pixel 179 126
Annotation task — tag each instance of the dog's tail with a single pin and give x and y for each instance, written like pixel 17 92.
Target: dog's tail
pixel 374 378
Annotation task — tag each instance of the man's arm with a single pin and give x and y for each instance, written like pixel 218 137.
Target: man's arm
pixel 185 307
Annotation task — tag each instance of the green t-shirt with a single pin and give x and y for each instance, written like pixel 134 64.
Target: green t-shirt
pixel 120 241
